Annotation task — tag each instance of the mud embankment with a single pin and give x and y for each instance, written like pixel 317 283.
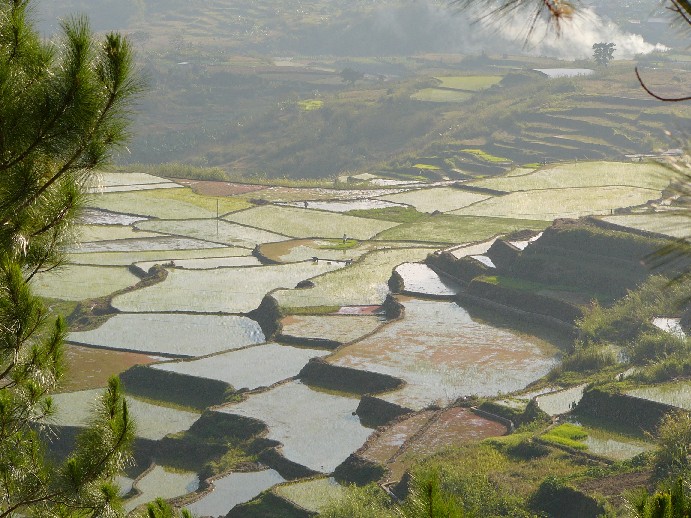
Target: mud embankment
pixel 320 373
pixel 374 412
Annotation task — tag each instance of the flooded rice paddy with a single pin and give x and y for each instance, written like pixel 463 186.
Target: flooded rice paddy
pixel 105 217
pixel 77 282
pixel 208 263
pixel 163 483
pixel 676 394
pixel 234 489
pixel 145 244
pixel 560 402
pixel 443 354
pixel 421 279
pixel 340 328
pixel 312 495
pixel 250 368
pixel 345 206
pixel 317 429
pixel 172 334
pixel 228 290
pixel 127 257
pixel 153 421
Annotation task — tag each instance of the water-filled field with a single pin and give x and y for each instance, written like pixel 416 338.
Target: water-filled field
pixel 362 283
pixel 345 206
pixel 442 199
pixel 317 429
pixel 341 328
pixel 420 279
pixel 325 249
pixel 218 231
pixel 234 489
pixel 163 483
pixel 671 223
pixel 104 217
pixel 443 354
pixel 562 401
pixel 75 282
pixel 89 233
pixel 648 175
pixel 676 394
pixel 128 257
pixel 250 368
pixel 208 263
pixel 153 421
pixel 143 245
pixel 172 334
pixel 312 495
pixel 294 222
pixel 228 290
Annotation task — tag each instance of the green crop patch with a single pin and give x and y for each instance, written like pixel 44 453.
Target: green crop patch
pixel 311 105
pixel 670 223
pixel 453 229
pixel 483 155
pixel 296 222
pixel 567 434
pixel 167 203
pixel 472 83
pixel 395 214
pixel 440 95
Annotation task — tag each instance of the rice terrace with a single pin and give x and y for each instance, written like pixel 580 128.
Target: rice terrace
pixel 354 255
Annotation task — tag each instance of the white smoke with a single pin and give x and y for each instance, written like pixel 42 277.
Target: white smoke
pixel 576 38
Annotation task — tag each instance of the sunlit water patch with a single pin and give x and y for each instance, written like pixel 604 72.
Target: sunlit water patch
pixel 153 421
pixel 259 366
pixel 420 278
pixel 317 429
pixel 312 495
pixel 234 489
pixel 522 245
pixel 554 73
pixel 562 401
pixel 345 206
pixel 144 244
pixel 230 290
pixel 676 394
pixel 106 217
pixel 484 260
pixel 670 325
pixel 474 249
pixel 173 334
pixel 340 328
pixel 442 354
pixel 163 483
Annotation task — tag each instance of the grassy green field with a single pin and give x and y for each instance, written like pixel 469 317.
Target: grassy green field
pixel 312 495
pixel 309 223
pixel 437 95
pixel 671 223
pixel 468 82
pixel 166 203
pixel 560 203
pixel 455 229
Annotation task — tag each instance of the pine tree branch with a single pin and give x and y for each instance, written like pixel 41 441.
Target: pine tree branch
pixel 656 96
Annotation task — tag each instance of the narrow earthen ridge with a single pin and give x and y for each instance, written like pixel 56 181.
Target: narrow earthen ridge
pixel 320 373
pixel 315 343
pixel 288 469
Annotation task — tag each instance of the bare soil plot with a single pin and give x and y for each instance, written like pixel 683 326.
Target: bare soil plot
pixel 317 429
pixel 172 334
pixel 227 290
pixel 89 368
pixel 250 368
pixel 294 222
pixel 443 354
pixel 76 282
